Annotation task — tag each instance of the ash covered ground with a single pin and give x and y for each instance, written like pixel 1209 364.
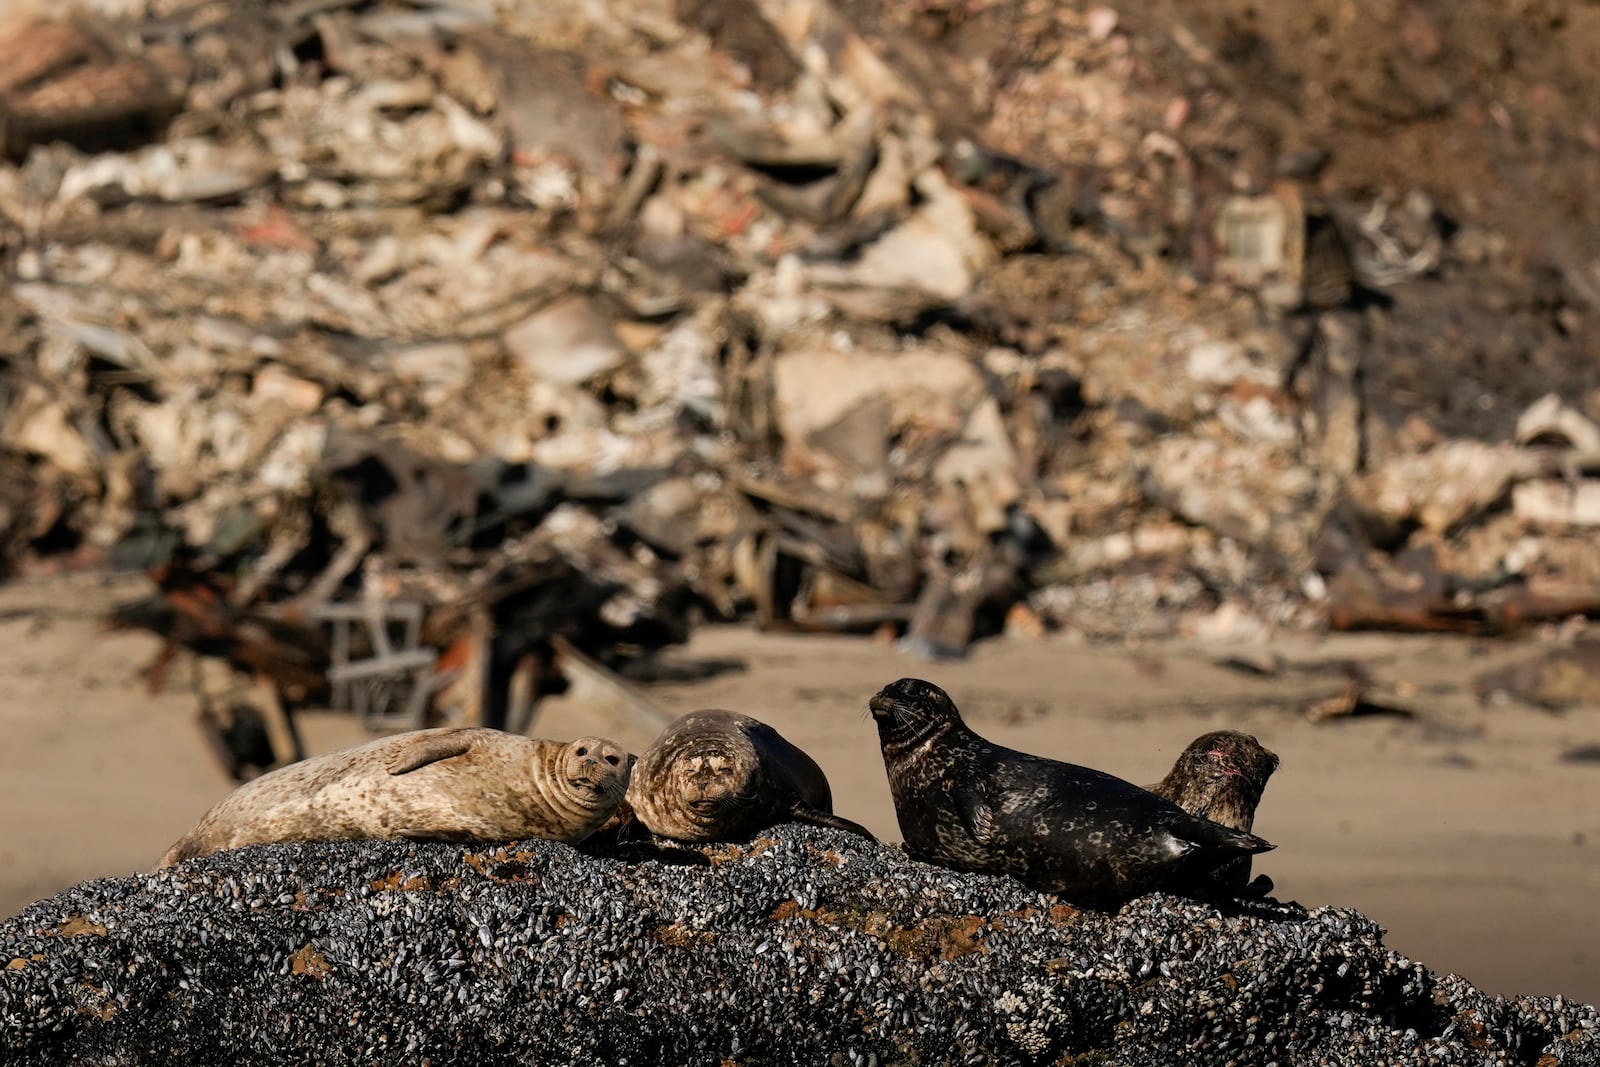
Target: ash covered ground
pixel 803 946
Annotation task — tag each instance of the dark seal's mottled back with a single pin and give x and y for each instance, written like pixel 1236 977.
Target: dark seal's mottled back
pixel 967 803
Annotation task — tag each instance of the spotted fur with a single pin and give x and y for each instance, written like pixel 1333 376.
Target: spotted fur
pixel 454 784
pixel 969 804
pixel 1220 777
pixel 718 775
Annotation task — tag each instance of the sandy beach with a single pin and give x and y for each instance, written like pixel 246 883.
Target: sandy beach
pixel 1460 830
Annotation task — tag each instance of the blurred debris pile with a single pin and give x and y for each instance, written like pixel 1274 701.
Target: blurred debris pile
pixel 586 321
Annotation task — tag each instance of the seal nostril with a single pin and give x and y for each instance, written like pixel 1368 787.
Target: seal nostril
pixel 583 751
pixel 613 760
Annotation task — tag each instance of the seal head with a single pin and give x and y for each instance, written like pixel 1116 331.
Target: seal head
pixel 912 712
pixel 596 766
pixel 718 775
pixel 969 804
pixel 1221 777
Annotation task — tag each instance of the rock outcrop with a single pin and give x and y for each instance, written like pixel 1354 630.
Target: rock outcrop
pixel 805 946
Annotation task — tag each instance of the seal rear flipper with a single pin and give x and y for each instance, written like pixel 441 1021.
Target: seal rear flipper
pixel 1249 844
pixel 1220 839
pixel 1221 866
pixel 418 752
pixel 803 812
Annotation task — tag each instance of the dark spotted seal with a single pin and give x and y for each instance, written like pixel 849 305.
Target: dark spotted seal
pixel 721 776
pixel 1220 777
pixel 450 784
pixel 966 803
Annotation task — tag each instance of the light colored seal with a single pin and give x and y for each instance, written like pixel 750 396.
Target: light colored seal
pixel 718 775
pixel 967 803
pixel 452 784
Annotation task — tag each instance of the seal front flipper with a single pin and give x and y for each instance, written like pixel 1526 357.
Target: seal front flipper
pixel 412 833
pixel 803 812
pixel 977 817
pixel 418 752
pixel 1259 886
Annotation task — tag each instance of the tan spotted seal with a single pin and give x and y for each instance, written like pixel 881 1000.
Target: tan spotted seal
pixel 718 775
pixel 967 803
pixel 451 784
pixel 1220 777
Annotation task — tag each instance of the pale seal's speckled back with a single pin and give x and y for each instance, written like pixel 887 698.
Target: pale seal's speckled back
pixel 969 804
pixel 455 784
pixel 717 775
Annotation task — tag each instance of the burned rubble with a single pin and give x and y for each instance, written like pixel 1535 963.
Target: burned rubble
pixel 925 321
pixel 825 948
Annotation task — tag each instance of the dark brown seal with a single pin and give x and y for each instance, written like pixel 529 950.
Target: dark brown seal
pixel 718 775
pixel 1220 777
pixel 967 803
pixel 453 784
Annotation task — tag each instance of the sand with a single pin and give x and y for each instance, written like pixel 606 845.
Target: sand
pixel 1460 830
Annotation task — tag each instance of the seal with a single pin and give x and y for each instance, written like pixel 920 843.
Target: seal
pixel 1220 777
pixel 450 784
pixel 718 775
pixel 969 804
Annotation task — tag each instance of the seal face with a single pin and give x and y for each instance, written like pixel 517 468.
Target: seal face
pixel 967 803
pixel 1220 777
pixel 451 784
pixel 718 775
